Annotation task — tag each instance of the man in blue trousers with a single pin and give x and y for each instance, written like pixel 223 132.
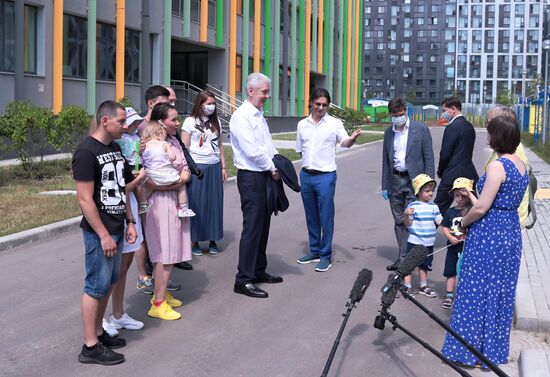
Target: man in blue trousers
pixel 316 141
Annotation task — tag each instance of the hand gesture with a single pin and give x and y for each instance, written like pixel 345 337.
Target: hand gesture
pixel 356 133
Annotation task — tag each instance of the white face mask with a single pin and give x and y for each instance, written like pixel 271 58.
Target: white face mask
pixel 209 109
pixel 399 121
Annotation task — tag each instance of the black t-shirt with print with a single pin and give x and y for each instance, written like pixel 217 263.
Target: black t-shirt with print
pixel 107 167
pixel 451 220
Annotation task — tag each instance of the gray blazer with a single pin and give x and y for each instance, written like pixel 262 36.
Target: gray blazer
pixel 419 157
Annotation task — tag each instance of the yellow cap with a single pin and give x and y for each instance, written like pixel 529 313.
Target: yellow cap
pixel 419 181
pixel 464 183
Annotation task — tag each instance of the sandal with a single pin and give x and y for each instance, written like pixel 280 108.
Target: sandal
pixel 427 291
pixel 448 303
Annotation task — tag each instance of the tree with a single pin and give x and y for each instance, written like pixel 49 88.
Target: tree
pixel 532 85
pixel 27 128
pixel 504 98
pixel 410 95
pixel 71 125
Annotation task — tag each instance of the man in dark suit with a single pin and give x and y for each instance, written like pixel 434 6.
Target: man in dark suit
pixel 407 152
pixel 253 153
pixel 455 158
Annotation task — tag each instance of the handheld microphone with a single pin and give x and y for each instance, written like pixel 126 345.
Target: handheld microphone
pixel 413 259
pixel 360 286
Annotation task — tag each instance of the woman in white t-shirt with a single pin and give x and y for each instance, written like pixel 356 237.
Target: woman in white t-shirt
pixel 201 134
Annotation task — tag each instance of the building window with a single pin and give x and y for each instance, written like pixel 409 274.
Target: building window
pixel 177 8
pixel 132 46
pixel 75 50
pixel 75 43
pixel 106 51
pixel 239 73
pixel 196 11
pixel 7 37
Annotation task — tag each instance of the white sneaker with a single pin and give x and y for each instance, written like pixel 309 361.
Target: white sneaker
pixel 125 322
pixel 109 328
pixel 187 212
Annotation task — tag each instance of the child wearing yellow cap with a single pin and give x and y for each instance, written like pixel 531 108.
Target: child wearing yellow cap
pixel 422 217
pixel 455 235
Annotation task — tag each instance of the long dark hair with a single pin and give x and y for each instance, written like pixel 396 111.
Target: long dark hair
pixel 198 113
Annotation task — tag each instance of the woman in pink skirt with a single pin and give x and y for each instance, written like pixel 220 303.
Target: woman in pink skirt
pixel 168 236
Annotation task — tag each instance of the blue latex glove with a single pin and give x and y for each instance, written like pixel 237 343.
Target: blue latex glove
pixel 385 195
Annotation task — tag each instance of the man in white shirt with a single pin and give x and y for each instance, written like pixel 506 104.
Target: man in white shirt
pixel 253 153
pixel 407 152
pixel 316 141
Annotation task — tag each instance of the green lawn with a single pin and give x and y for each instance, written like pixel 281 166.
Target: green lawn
pixel 542 150
pixel 22 206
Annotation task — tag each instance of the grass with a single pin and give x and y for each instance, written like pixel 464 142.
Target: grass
pixel 21 205
pixel 542 150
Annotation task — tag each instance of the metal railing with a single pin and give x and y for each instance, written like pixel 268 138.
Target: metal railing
pixel 187 92
pixel 226 103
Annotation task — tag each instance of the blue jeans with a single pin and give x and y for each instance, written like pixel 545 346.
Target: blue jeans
pixel 318 198
pixel 101 271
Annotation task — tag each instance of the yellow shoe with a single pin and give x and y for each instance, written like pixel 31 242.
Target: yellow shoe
pixel 164 311
pixel 170 300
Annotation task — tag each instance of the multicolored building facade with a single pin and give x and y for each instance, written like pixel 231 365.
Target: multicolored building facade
pixel 60 52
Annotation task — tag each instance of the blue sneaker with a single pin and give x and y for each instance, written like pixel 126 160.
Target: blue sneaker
pixel 196 250
pixel 323 265
pixel 308 258
pixel 213 248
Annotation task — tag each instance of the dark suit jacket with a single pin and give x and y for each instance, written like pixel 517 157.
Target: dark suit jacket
pixel 419 157
pixel 457 147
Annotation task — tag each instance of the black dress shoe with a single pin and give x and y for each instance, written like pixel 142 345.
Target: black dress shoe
pixel 393 266
pixel 267 278
pixel 250 290
pixel 184 266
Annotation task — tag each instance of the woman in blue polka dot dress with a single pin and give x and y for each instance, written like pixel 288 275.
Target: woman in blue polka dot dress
pixel 484 305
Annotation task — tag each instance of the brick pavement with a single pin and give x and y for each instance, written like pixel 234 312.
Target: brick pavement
pixel 532 311
pixel 533 296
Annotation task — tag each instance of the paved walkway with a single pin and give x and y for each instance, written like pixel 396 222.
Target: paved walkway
pixel 532 325
pixel 533 292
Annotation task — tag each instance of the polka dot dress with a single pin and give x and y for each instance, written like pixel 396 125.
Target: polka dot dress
pixel 484 304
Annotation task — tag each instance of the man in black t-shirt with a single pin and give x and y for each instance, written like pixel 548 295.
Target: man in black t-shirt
pixel 101 174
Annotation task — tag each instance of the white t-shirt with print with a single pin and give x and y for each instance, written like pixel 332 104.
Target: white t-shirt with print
pixel 204 146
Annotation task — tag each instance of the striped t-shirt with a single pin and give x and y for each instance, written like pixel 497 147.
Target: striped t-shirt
pixel 423 229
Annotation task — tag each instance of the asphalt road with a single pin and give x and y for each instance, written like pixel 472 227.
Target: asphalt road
pixel 224 334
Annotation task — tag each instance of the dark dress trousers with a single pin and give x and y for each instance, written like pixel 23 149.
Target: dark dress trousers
pixel 419 159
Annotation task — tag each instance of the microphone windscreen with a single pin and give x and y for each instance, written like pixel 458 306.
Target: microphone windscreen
pixel 413 259
pixel 388 297
pixel 361 284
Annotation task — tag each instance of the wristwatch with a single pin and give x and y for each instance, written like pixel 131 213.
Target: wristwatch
pixel 130 221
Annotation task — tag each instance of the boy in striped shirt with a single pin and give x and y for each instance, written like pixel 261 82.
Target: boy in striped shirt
pixel 422 217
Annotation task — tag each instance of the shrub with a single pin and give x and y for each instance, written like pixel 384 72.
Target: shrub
pixel 71 125
pixel 27 128
pixel 351 118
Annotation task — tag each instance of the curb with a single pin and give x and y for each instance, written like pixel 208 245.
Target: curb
pixel 534 363
pixel 40 233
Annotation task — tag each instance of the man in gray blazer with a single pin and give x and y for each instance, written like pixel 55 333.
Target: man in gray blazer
pixel 407 152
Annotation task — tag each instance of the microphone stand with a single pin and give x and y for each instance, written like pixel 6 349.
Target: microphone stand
pixel 379 323
pixel 455 335
pixel 350 305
